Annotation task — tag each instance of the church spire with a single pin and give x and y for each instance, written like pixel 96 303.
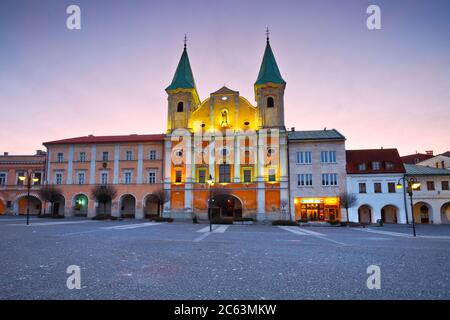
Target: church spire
pixel 183 78
pixel 269 72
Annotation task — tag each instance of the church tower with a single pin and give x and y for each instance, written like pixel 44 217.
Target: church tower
pixel 183 97
pixel 269 91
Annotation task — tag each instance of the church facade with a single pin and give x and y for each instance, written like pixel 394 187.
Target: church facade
pixel 226 149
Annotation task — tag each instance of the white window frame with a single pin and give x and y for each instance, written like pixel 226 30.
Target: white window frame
pixel 304 180
pixel 60 157
pixel 330 180
pixel 304 157
pixel 152 155
pixel 103 156
pixel 129 155
pixel 149 178
pixel 58 173
pixel 376 167
pixel 102 173
pixel 328 156
pixel 125 175
pixel 5 179
pixel 79 175
pixel 82 156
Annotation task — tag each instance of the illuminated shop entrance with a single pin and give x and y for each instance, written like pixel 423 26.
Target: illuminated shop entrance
pixel 317 209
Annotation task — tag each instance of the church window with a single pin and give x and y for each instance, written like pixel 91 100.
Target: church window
pixel 202 175
pixel 178 176
pixel 180 107
pixel 224 173
pixel 270 102
pixel 247 175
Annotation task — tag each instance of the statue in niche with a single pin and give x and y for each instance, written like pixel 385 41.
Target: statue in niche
pixel 224 122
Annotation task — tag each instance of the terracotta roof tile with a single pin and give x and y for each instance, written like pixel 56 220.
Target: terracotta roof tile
pixel 384 156
pixel 109 139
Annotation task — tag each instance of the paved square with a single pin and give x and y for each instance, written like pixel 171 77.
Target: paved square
pixel 133 259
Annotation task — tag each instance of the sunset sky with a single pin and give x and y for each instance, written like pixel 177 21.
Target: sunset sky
pixel 388 87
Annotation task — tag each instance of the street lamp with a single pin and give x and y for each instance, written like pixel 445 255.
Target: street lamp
pixel 29 179
pixel 210 182
pixel 413 184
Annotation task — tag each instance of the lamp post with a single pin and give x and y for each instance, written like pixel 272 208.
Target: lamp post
pixel 28 179
pixel 412 184
pixel 210 182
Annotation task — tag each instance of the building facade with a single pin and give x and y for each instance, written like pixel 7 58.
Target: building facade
pixel 13 190
pixel 226 157
pixel 316 174
pixel 431 202
pixel 373 175
pixel 441 161
pixel 227 147
pixel 132 165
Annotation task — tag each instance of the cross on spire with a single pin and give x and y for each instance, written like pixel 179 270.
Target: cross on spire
pixel 267 34
pixel 185 40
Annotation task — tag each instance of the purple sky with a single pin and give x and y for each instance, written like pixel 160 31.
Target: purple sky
pixel 387 88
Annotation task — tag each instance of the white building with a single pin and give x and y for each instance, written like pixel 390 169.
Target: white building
pixel 431 201
pixel 316 174
pixel 372 175
pixel 441 161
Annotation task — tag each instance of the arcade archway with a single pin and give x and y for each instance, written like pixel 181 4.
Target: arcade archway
pixel 226 206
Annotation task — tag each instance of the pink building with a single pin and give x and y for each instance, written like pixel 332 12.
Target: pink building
pixel 131 165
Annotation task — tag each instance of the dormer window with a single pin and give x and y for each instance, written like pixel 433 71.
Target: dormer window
pixel 389 165
pixel 362 167
pixel 180 107
pixel 270 102
pixel 375 165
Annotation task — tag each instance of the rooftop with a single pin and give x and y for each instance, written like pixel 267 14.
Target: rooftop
pixel 316 135
pixel 225 90
pixel 416 157
pixel 109 139
pixel 416 170
pixel 269 72
pixel 389 161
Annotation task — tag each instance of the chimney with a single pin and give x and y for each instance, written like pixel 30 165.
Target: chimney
pixel 292 129
pixel 429 152
pixel 40 153
pixel 5 154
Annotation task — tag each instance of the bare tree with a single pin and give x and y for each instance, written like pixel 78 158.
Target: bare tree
pixel 348 200
pixel 163 197
pixel 50 194
pixel 103 194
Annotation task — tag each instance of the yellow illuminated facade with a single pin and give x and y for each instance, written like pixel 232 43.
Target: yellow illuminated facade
pixel 240 146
